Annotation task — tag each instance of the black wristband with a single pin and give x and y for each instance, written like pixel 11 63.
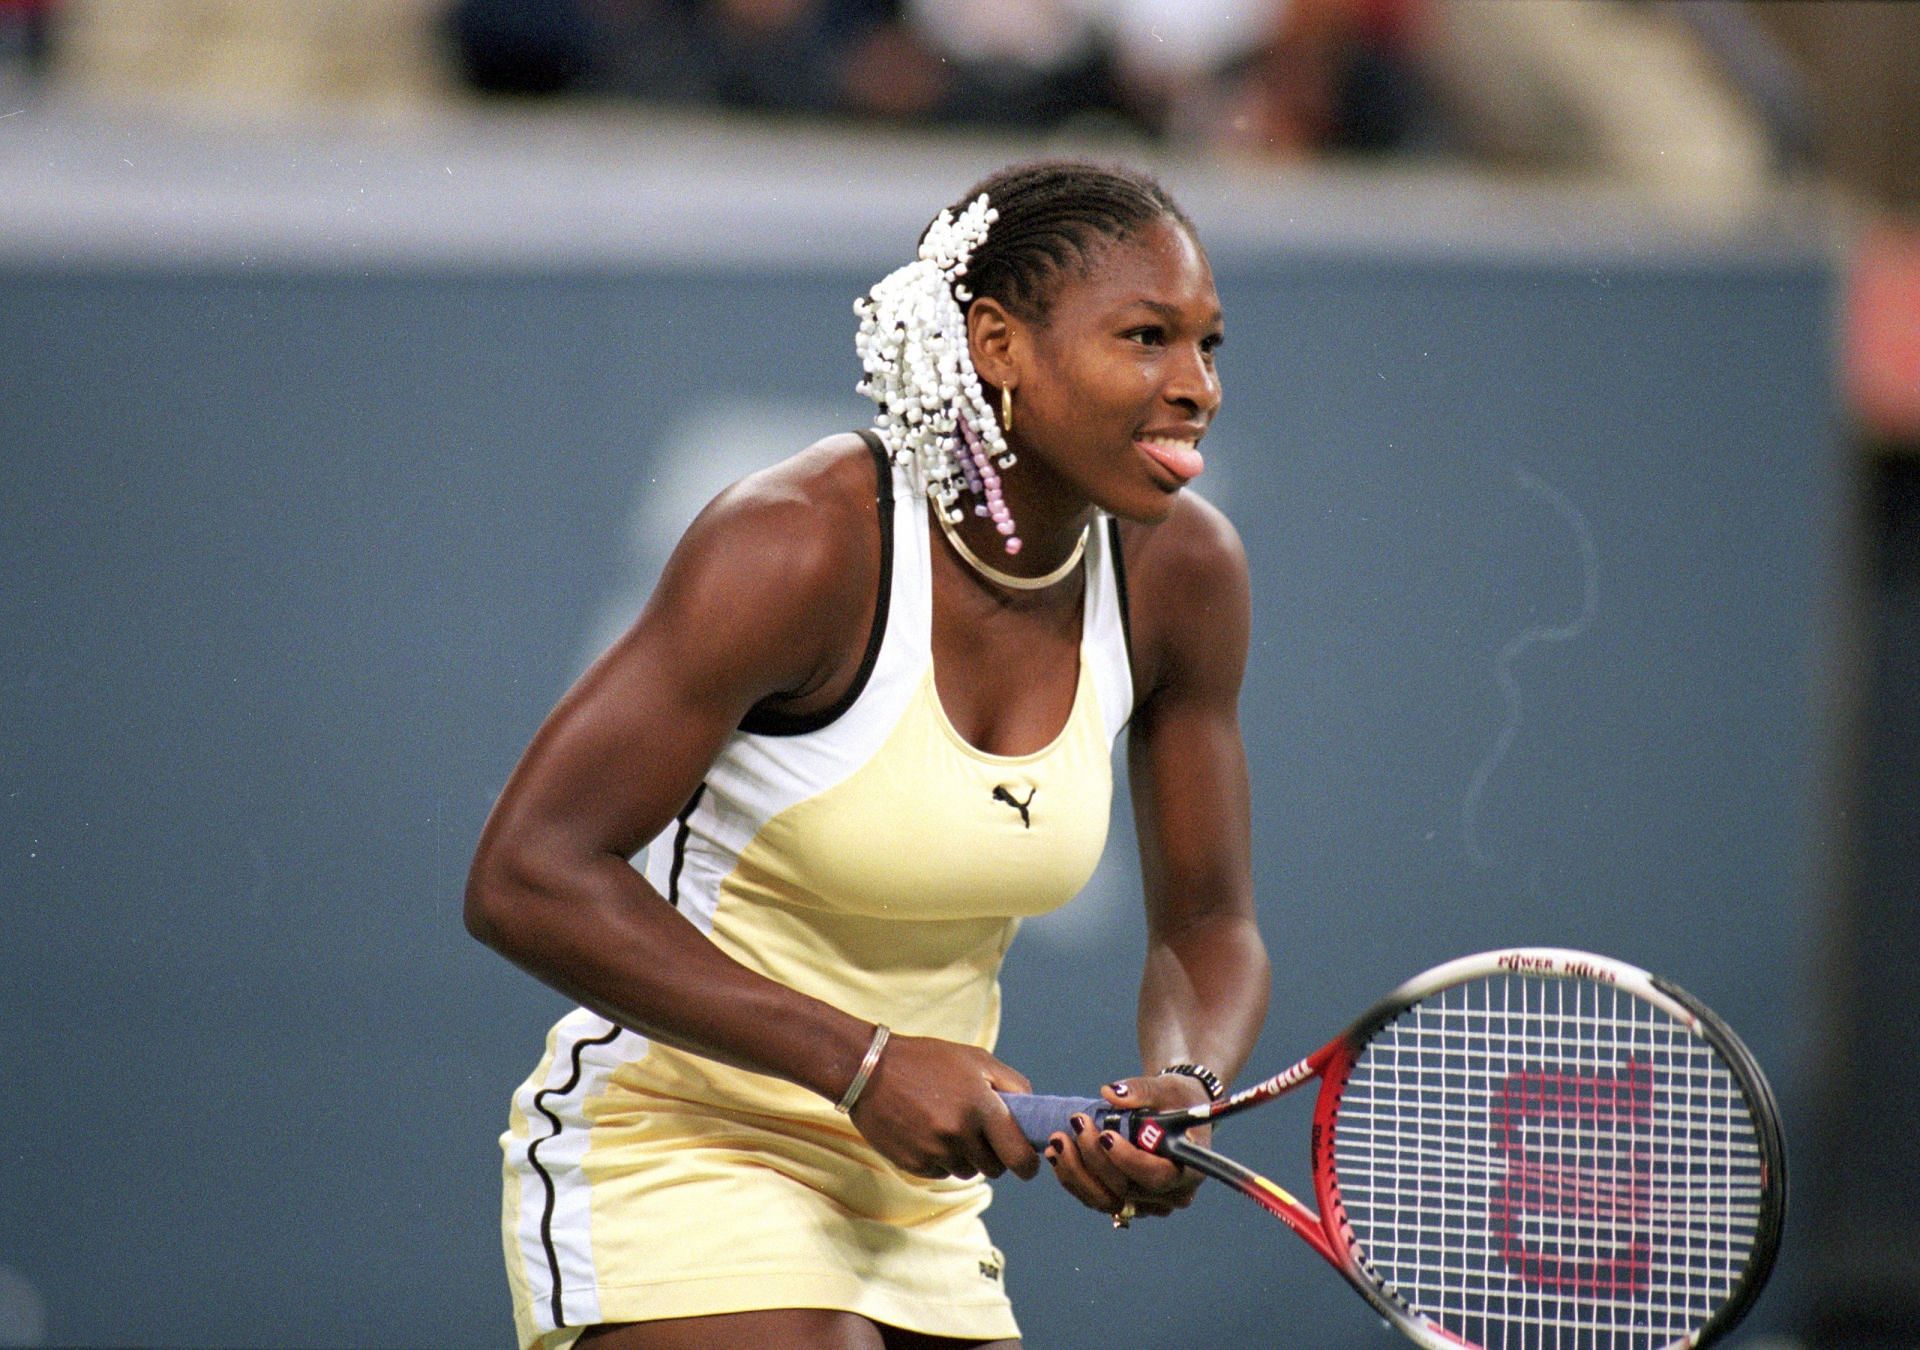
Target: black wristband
pixel 1202 1075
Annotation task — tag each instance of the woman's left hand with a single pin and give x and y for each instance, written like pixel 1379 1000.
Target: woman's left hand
pixel 1104 1171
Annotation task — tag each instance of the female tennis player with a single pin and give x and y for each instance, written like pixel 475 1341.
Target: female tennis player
pixel 862 728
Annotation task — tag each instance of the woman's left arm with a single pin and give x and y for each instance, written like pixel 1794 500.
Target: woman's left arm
pixel 1203 992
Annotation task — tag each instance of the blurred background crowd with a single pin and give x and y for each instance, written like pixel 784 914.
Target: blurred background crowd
pixel 1710 105
pixel 1738 93
pixel 1286 79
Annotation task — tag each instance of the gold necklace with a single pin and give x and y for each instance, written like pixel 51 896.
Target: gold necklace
pixel 1007 579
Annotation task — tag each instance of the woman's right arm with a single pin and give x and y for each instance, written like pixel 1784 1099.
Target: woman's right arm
pixel 760 598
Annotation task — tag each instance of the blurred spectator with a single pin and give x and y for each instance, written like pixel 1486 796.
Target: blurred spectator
pixel 535 47
pixel 782 55
pixel 1328 75
pixel 26 36
pixel 763 55
pixel 1281 78
pixel 1016 62
pixel 1169 56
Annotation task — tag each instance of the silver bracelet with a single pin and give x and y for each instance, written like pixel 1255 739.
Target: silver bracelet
pixel 1202 1075
pixel 859 1084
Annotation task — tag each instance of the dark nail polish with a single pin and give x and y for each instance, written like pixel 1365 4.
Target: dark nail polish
pixel 1119 1089
pixel 1079 1124
pixel 1106 1142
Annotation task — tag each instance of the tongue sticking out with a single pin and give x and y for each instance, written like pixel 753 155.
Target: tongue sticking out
pixel 1178 457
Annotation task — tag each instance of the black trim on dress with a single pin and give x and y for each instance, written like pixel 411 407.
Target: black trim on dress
pixel 1120 583
pixel 760 722
pixel 546 1179
pixel 680 844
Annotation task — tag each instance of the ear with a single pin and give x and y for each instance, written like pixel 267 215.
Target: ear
pixel 994 341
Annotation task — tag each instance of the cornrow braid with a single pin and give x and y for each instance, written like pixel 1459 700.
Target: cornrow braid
pixel 1015 236
pixel 1054 219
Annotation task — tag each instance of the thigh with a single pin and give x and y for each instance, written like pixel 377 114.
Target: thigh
pixel 895 1338
pixel 808 1328
pixel 812 1328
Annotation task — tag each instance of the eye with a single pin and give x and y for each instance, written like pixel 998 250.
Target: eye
pixel 1213 342
pixel 1153 335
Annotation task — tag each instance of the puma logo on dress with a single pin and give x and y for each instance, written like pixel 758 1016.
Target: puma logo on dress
pixel 1000 794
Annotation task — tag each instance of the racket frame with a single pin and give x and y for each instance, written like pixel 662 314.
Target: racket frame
pixel 1164 1132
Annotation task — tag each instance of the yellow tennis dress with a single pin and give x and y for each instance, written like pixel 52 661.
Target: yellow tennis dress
pixel 868 856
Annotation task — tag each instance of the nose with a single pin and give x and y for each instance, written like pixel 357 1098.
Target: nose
pixel 1192 382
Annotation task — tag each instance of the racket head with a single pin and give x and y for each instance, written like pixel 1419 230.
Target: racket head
pixel 1607 1168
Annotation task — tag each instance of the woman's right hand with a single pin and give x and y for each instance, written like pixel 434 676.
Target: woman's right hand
pixel 932 1108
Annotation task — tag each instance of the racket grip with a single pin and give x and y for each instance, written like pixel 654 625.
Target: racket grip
pixel 1041 1117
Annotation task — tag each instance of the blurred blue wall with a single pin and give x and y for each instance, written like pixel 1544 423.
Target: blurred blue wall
pixel 294 563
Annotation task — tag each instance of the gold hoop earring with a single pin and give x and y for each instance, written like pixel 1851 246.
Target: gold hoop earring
pixel 1006 409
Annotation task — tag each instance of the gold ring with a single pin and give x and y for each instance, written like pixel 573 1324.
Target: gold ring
pixel 1124 1215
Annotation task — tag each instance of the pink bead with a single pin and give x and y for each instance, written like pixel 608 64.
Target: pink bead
pixel 1005 527
pixel 1013 543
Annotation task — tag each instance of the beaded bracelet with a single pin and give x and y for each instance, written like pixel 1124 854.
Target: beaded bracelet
pixel 1202 1075
pixel 880 1034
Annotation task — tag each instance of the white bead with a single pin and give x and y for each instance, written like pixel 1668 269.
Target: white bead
pixel 912 347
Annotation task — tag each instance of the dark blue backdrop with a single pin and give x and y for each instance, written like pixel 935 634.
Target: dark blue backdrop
pixel 295 563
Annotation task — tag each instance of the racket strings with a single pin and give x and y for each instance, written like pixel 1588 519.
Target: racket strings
pixel 1539 1163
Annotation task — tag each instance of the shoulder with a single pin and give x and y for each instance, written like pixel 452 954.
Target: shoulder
pixel 803 523
pixel 813 495
pixel 1195 554
pixel 1188 596
pixel 780 568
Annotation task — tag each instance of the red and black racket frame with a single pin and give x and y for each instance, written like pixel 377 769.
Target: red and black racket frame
pixel 1165 1133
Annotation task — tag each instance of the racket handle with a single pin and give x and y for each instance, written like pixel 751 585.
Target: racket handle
pixel 1041 1117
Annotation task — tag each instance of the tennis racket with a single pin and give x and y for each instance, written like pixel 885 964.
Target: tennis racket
pixel 1519 1150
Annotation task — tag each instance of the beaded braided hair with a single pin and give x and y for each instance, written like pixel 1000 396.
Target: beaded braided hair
pixel 1015 236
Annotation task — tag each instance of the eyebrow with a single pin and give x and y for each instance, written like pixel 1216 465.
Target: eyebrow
pixel 1172 312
